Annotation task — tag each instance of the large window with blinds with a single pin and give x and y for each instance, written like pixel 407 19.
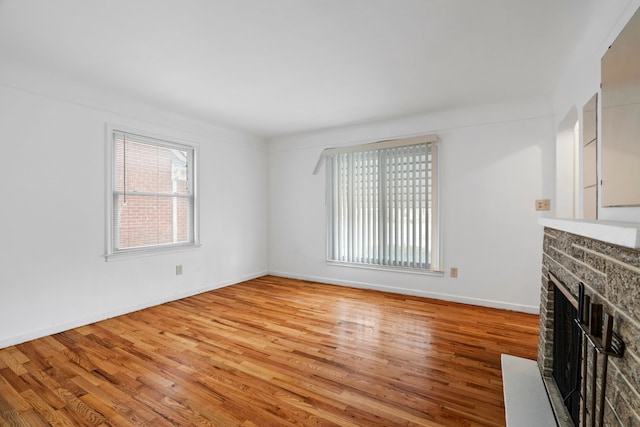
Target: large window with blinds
pixel 381 204
pixel 152 194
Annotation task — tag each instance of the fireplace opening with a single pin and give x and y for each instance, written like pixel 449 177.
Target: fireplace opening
pixel 566 352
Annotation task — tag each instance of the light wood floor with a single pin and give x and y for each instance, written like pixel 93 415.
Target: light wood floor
pixel 271 352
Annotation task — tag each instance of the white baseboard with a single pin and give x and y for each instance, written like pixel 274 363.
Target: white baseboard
pixel 427 294
pixel 54 329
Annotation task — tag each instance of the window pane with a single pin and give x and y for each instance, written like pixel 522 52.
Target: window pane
pixel 147 168
pixel 150 220
pixel 152 193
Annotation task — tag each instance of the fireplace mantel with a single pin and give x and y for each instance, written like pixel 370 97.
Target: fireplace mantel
pixel 626 234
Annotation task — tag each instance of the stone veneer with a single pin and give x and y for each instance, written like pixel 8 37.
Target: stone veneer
pixel 611 275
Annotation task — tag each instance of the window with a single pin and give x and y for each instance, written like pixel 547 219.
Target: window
pixel 381 205
pixel 152 194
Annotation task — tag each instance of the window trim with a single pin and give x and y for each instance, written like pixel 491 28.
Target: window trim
pixel 165 141
pixel 436 248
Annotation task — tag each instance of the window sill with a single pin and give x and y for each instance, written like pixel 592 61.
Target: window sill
pixel 144 252
pixel 392 269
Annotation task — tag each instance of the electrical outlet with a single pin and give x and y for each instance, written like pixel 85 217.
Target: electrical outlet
pixel 178 270
pixel 543 205
pixel 454 272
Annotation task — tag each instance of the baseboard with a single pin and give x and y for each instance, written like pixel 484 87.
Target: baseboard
pixel 21 338
pixel 427 294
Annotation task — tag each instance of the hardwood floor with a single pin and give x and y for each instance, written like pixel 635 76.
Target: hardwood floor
pixel 271 352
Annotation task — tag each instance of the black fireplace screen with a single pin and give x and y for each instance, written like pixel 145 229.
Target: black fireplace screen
pixel 566 353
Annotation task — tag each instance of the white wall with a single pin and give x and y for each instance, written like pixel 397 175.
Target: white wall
pixel 52 274
pixel 495 161
pixel 565 196
pixel 581 77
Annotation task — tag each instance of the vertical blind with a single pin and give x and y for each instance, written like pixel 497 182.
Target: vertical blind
pixel 381 205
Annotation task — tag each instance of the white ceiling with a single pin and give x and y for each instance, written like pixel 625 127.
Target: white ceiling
pixel 275 67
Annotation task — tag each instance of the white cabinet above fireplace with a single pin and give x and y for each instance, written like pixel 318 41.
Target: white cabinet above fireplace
pixel 625 234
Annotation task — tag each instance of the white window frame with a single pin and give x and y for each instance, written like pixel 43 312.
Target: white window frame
pixel 434 236
pixel 111 251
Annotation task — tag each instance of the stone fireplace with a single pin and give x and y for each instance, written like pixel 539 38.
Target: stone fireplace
pixel 575 252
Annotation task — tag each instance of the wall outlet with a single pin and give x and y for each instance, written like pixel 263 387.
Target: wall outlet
pixel 543 205
pixel 178 270
pixel 454 272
